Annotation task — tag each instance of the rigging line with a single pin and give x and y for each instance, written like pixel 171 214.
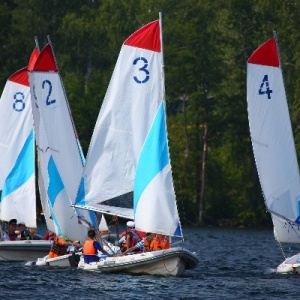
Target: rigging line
pixel 283 217
pixel 281 248
pixel 103 241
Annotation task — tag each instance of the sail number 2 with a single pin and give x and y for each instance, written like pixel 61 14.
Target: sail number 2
pixel 265 87
pixel 144 76
pixel 47 83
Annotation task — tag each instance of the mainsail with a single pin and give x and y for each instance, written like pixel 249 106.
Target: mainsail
pixel 129 148
pixel 17 159
pixel 58 148
pixel 272 140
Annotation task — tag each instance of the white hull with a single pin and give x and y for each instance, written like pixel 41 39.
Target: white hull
pixel 68 260
pixel 173 261
pixel 290 265
pixel 23 250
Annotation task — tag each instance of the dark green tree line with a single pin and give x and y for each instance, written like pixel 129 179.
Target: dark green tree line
pixel 206 47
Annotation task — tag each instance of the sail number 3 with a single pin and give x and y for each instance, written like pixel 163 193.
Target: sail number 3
pixel 265 87
pixel 144 76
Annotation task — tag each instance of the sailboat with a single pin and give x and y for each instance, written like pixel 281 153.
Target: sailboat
pixel 129 153
pixel 17 159
pixel 59 154
pixel 273 145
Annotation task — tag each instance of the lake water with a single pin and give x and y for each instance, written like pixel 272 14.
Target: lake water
pixel 234 264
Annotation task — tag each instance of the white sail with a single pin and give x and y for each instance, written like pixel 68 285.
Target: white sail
pixel 17 159
pixel 272 140
pixel 59 154
pixel 103 224
pixel 129 147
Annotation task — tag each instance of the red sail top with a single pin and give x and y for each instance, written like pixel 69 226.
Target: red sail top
pixel 20 77
pixel 34 55
pixel 266 54
pixel 147 37
pixel 45 62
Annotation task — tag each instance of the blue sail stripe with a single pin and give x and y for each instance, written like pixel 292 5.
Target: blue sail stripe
pixel 55 186
pixel 154 156
pixel 54 218
pixel 23 168
pixel 80 199
pixel 55 183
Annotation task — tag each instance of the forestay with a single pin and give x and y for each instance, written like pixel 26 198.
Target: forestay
pixel 272 140
pixel 129 147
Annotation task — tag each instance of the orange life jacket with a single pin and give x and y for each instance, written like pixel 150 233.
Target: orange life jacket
pixel 88 248
pixel 146 244
pixel 159 243
pixel 58 248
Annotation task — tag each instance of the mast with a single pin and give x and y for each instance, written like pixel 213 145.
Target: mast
pixel 277 47
pixel 36 43
pixel 67 102
pixel 162 58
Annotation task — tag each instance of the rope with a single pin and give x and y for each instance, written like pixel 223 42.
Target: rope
pixel 170 272
pixel 289 224
pixel 280 247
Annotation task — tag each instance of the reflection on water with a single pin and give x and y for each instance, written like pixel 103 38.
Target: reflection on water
pixel 234 264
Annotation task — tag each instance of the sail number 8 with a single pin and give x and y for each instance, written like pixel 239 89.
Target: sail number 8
pixel 265 88
pixel 19 104
pixel 144 76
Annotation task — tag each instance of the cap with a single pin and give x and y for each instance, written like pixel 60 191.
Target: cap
pixel 21 223
pixel 12 221
pixel 130 224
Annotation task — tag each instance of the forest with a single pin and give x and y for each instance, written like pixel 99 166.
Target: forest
pixel 206 47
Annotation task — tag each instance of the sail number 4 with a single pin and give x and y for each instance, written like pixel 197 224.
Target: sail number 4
pixel 265 87
pixel 144 76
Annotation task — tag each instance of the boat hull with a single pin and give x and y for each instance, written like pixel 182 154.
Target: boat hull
pixel 68 260
pixel 170 262
pixel 290 265
pixel 23 250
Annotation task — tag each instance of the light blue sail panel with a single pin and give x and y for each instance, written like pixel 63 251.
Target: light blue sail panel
pixel 54 188
pixel 80 199
pixel 55 183
pixel 23 168
pixel 154 156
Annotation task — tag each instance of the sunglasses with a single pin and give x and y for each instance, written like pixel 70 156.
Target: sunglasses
pixel 13 224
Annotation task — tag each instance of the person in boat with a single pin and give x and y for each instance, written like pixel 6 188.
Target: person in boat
pixel 91 248
pixel 60 246
pixel 131 237
pixel 141 246
pixel 11 235
pixel 160 242
pixel 23 233
pixel 33 232
pixel 49 236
